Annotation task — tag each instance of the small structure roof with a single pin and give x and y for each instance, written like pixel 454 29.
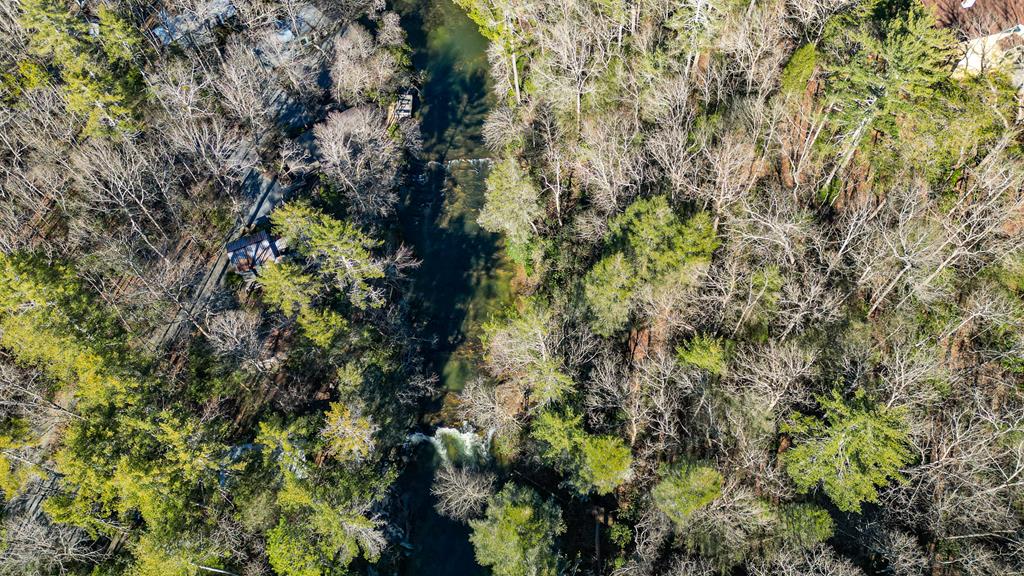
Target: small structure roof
pixel 249 252
pixel 1003 51
pixel 244 241
pixel 193 27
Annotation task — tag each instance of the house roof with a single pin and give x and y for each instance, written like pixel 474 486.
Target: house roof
pixel 250 240
pixel 174 27
pixel 995 51
pixel 981 18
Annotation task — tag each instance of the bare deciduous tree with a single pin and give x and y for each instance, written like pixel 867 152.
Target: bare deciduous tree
pixel 362 69
pixel 390 31
pixel 903 554
pixel 611 163
pixel 491 407
pixel 247 87
pixel 819 561
pixel 461 492
pixel 756 44
pixel 33 546
pixel 24 392
pixel 361 157
pixel 573 53
pixel 296 64
pixel 235 334
pixel 502 128
pixel 812 14
pixel 776 374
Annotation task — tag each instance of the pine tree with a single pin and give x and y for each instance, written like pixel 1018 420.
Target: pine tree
pixel 649 247
pixel 596 464
pixel 517 536
pixel 884 73
pixel 336 249
pixel 686 489
pixel 857 447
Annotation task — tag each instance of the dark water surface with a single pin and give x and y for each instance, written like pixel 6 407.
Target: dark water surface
pixel 463 278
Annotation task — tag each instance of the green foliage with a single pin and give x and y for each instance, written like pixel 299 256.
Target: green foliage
pixel 892 70
pixel 288 288
pixel 26 76
pixel 517 536
pixel 685 489
pixel 123 462
pixel 887 76
pixel 321 528
pixel 48 320
pixel 14 474
pixel 117 37
pixel 798 70
pixel 659 245
pixel 973 116
pixel 857 447
pixel 171 558
pixel 101 82
pixel 120 458
pixel 289 550
pixel 595 463
pixel 489 15
pixel 512 204
pixel 518 350
pixel 605 462
pixel 650 246
pixel 349 435
pixel 35 340
pixel 704 352
pixel 559 435
pixel 339 250
pixel 803 525
pixel 56 33
pixel 609 290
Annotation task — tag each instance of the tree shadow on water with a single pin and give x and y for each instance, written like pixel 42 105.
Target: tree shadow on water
pixel 460 278
pixel 440 207
pixel 456 283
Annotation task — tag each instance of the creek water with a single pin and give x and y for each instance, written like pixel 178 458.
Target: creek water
pixel 463 278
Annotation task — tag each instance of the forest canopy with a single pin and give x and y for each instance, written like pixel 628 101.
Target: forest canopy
pixel 617 287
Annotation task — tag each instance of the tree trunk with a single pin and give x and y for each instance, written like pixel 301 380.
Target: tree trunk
pixel 515 77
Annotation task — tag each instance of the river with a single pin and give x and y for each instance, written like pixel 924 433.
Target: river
pixel 463 278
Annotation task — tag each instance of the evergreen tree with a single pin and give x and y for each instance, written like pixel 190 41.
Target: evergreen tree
pixel 517 535
pixel 604 463
pixel 337 249
pixel 685 489
pixel 857 447
pixel 886 72
pixel 649 247
pixel 100 78
pixel 594 463
pixel 512 204
pixel 288 288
